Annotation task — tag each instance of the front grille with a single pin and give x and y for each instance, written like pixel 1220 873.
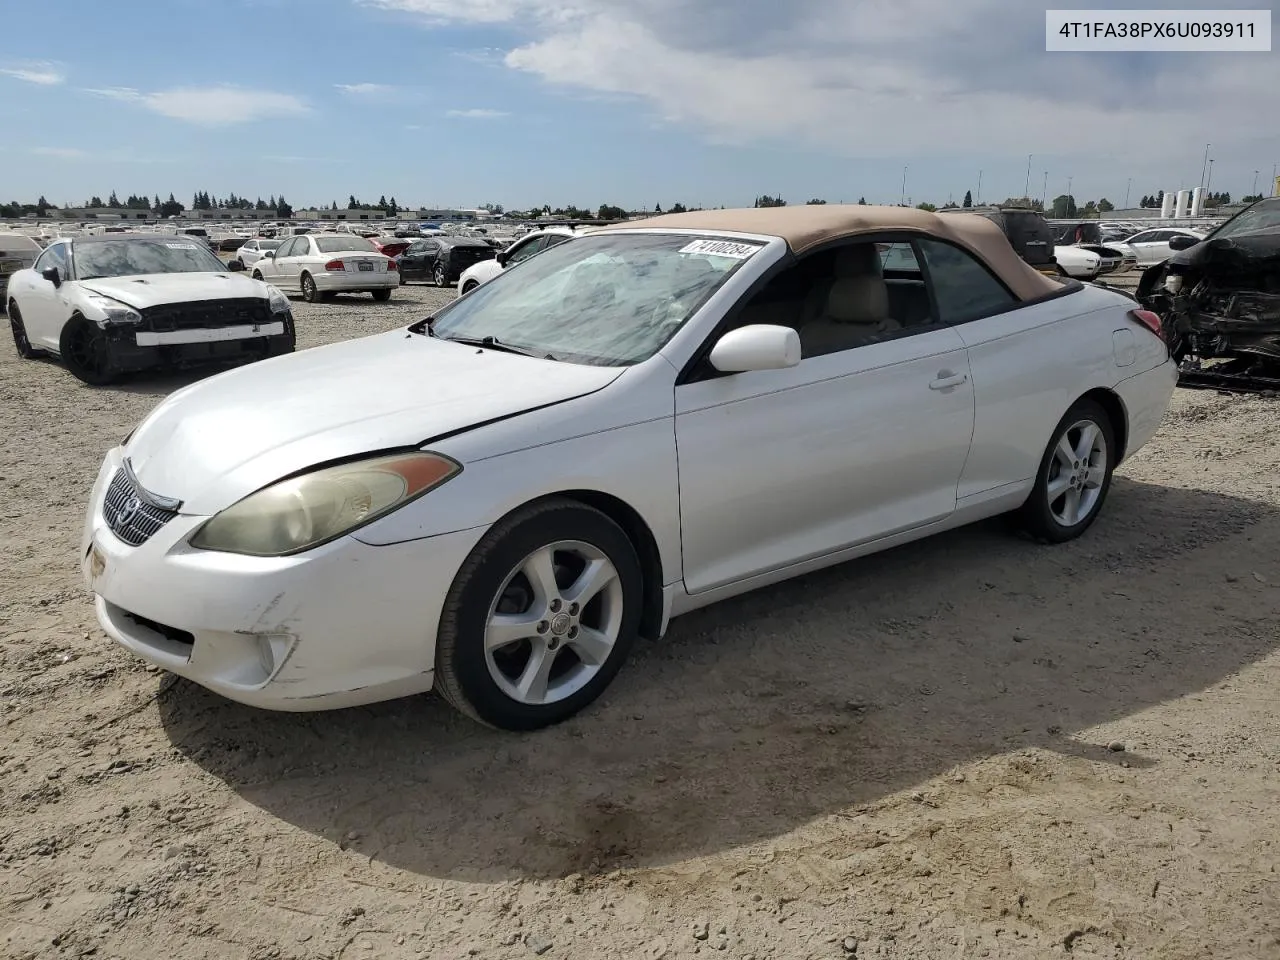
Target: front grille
pixel 205 315
pixel 129 516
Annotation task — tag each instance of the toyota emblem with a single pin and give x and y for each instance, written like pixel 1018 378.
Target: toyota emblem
pixel 128 511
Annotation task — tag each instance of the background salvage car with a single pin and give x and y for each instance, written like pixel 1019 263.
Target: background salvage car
pixel 318 265
pixel 1220 300
pixel 117 303
pixel 442 259
pixel 517 488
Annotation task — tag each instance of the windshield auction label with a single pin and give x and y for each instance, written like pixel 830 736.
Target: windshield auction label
pixel 721 248
pixel 182 246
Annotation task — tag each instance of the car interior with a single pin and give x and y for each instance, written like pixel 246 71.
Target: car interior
pixel 845 297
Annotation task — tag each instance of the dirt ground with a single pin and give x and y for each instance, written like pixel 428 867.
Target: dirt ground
pixel 969 747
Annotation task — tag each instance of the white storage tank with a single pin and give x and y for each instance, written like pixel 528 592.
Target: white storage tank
pixel 1183 207
pixel 1197 202
pixel 1166 207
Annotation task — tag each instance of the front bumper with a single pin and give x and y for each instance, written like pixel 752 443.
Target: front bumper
pixel 357 280
pixel 342 625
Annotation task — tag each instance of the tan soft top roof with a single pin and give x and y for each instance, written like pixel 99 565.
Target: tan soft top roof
pixel 805 227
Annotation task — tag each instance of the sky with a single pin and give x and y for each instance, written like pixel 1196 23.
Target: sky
pixel 445 103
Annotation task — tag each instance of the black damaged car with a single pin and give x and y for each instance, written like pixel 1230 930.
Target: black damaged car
pixel 1219 299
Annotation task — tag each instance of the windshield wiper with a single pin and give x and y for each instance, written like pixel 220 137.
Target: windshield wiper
pixel 493 343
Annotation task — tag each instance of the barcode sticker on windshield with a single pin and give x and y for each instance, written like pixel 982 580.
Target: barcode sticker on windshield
pixel 182 246
pixel 721 248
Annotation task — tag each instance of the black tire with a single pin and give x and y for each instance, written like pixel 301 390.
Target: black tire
pixel 20 339
pixel 469 286
pixel 1036 517
pixel 438 276
pixel 382 296
pixel 403 281
pixel 462 674
pixel 257 274
pixel 310 292
pixel 86 351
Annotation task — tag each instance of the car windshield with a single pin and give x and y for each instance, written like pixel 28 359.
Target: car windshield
pixel 1261 216
pixel 606 300
pixel 127 258
pixel 344 245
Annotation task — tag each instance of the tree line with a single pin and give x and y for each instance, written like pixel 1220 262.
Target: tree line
pixel 1063 207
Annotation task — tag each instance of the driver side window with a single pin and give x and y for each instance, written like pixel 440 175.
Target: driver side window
pixel 528 250
pixel 55 256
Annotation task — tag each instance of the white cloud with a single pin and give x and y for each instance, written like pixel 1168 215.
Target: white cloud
pixel 478 114
pixel 209 106
pixel 881 78
pixel 40 72
pixel 60 153
pixel 365 89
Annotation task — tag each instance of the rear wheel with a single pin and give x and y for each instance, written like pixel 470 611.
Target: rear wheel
pixel 257 274
pixel 439 275
pixel 87 352
pixel 1075 475
pixel 469 286
pixel 540 617
pixel 310 292
pixel 20 339
pixel 382 295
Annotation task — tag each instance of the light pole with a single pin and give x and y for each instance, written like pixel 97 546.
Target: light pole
pixel 978 199
pixel 1208 183
pixel 903 200
pixel 1255 183
pixel 1044 192
pixel 1127 188
pixel 1204 165
pixel 1026 191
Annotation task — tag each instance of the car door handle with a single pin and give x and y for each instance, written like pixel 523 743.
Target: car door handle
pixel 947 379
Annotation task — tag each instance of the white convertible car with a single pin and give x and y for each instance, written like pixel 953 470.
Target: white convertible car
pixel 318 265
pixel 497 501
pixel 123 302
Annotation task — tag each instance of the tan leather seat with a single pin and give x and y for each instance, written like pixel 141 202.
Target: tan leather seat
pixel 856 309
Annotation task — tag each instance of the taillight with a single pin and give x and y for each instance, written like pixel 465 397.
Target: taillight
pixel 1149 320
pixel 335 265
pixel 392 266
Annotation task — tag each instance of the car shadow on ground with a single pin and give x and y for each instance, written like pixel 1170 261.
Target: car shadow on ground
pixel 160 383
pixel 753 717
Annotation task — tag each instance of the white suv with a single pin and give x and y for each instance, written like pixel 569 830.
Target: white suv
pixel 522 249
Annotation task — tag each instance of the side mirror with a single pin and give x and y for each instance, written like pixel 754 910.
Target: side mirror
pixel 759 346
pixel 51 274
pixel 502 257
pixel 235 266
pixel 1182 242
pixel 269 255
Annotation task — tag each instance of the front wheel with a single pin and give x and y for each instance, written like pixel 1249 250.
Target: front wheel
pixel 439 275
pixel 310 292
pixel 540 618
pixel 20 339
pixel 87 352
pixel 469 286
pixel 257 274
pixel 1075 475
pixel 382 296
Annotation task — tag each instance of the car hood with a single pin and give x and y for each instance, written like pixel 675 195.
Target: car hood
pixel 158 288
pixel 219 440
pixel 1074 254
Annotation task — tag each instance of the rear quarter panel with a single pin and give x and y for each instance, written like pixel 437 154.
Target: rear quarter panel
pixel 1029 366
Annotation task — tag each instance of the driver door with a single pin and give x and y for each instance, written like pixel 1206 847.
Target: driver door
pixel 782 466
pixel 45 307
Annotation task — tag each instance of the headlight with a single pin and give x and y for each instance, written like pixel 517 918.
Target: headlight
pixel 277 300
pixel 298 514
pixel 116 311
pixel 1173 283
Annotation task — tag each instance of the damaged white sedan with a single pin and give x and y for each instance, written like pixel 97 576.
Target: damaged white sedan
pixel 495 502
